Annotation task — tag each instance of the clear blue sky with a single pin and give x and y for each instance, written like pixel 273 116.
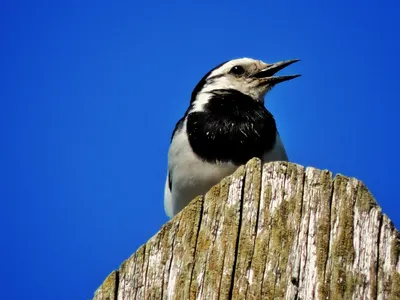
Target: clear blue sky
pixel 91 90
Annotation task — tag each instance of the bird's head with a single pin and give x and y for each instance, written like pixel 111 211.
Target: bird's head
pixel 248 76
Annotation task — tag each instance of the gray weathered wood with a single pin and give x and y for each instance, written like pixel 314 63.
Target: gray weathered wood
pixel 108 290
pixel 272 231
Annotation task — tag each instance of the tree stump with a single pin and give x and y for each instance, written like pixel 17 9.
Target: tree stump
pixel 272 231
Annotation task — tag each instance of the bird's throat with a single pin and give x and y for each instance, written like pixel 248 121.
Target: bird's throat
pixel 233 127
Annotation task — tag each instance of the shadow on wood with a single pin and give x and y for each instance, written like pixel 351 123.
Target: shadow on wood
pixel 273 231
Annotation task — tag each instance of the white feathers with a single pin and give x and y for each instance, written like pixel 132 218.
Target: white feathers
pixel 168 203
pixel 191 176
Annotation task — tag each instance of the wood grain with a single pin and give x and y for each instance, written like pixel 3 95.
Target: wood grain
pixel 272 231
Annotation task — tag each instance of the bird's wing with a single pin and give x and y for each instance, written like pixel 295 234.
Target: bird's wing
pixel 278 152
pixel 168 201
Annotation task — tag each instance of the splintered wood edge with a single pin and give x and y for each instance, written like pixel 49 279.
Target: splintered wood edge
pixel 276 230
pixel 109 288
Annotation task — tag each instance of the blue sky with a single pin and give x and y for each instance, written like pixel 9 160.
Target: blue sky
pixel 90 93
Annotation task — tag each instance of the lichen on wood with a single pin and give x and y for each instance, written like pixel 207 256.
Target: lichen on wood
pixel 108 290
pixel 268 231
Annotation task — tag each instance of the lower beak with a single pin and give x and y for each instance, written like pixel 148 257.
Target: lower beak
pixel 266 75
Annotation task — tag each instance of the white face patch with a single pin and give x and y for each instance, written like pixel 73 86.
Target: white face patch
pixel 221 78
pixel 251 65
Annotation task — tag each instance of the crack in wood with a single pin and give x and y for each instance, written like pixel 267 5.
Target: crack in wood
pixel 195 245
pixel 258 192
pixel 237 238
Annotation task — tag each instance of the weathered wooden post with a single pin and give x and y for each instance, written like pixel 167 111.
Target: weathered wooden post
pixel 273 231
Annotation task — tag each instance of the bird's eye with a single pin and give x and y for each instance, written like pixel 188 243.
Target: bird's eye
pixel 237 70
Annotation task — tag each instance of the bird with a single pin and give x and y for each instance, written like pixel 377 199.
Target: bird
pixel 225 125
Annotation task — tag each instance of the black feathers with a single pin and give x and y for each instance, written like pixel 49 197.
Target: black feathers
pixel 233 127
pixel 170 180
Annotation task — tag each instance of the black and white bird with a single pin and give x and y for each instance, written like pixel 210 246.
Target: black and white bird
pixel 225 125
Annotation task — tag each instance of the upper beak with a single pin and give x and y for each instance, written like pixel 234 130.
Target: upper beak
pixel 267 74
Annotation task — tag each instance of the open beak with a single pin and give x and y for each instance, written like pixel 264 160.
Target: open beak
pixel 267 74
